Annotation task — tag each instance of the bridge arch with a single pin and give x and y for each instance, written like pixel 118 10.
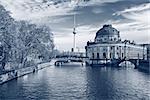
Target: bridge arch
pixel 135 62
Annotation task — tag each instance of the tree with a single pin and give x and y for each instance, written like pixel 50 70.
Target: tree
pixel 23 42
pixel 7 36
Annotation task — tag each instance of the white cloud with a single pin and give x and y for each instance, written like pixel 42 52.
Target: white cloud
pixel 134 26
pixel 136 23
pixel 139 15
pixel 35 9
pixel 139 8
pixel 84 33
pixel 131 32
pixel 95 2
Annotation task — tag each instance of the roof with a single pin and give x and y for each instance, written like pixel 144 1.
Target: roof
pixel 107 30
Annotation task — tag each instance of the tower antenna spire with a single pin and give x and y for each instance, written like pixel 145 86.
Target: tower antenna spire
pixel 74 26
pixel 74 32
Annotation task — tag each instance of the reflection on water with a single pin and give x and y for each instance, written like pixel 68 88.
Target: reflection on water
pixel 79 83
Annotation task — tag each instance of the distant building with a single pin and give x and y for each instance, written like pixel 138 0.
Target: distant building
pixel 147 46
pixel 108 45
pixel 148 51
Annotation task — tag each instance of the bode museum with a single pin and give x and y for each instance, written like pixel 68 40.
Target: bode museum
pixel 108 45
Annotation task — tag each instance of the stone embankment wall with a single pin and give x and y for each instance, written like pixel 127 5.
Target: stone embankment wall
pixel 144 66
pixel 20 72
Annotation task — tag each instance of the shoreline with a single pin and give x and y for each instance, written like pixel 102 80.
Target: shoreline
pixel 21 72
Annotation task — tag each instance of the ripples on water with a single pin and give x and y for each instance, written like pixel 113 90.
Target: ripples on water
pixel 79 83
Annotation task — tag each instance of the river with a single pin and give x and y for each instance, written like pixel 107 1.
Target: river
pixel 79 83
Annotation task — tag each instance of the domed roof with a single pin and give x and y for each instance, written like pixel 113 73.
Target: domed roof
pixel 107 30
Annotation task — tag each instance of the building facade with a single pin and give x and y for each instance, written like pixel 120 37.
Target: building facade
pixel 148 50
pixel 108 45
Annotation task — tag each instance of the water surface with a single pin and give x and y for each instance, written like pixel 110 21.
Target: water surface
pixel 79 83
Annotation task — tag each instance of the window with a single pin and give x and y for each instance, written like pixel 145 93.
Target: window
pixel 117 54
pixel 122 55
pixel 104 55
pixel 103 49
pixel 93 55
pixel 117 48
pixel 97 55
pixel 110 55
pixel 111 48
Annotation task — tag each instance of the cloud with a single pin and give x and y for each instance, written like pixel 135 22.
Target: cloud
pixel 84 33
pixel 132 32
pixel 35 9
pixel 94 2
pixel 139 8
pixel 138 14
pixel 135 24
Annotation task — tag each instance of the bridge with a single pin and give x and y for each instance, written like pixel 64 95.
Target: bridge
pixel 70 57
pixel 136 62
pixel 116 62
pixel 80 57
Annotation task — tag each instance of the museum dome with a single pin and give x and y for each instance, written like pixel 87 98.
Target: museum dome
pixel 107 30
pixel 107 34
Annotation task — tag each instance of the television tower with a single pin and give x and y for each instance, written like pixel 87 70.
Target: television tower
pixel 74 33
pixel 74 26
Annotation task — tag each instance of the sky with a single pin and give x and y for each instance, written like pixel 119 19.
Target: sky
pixel 130 17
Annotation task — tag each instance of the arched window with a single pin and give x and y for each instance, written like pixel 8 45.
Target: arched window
pixel 117 48
pixel 111 39
pixel 117 54
pixel 104 55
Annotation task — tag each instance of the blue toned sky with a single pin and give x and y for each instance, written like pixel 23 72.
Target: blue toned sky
pixel 130 17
